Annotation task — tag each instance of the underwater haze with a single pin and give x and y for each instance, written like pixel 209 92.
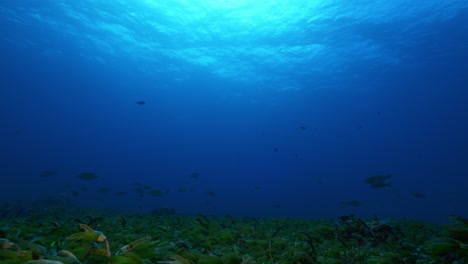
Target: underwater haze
pixel 301 108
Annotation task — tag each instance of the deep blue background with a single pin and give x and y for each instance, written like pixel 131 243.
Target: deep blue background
pixel 381 88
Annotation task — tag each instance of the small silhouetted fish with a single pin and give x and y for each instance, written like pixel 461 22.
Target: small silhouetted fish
pixel 86 176
pixel 195 175
pixel 302 128
pixel 211 193
pixel 18 132
pixel 275 149
pixel 47 173
pixel 140 102
pixel 120 193
pixel 378 181
pixel 75 193
pixel 418 194
pixel 155 193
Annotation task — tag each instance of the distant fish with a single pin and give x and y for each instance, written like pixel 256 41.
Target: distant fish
pixel 302 128
pixel 418 194
pixel 378 181
pixel 195 175
pixel 47 173
pixel 155 193
pixel 275 149
pixel 87 176
pixel 140 102
pixel 211 193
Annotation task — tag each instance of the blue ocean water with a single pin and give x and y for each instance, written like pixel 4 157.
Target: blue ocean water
pixel 237 107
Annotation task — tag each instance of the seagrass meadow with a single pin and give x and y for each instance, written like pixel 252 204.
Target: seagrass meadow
pixel 88 236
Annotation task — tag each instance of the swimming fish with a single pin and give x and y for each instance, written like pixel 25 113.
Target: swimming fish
pixel 86 176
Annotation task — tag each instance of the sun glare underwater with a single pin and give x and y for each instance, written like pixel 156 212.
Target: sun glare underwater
pixel 216 114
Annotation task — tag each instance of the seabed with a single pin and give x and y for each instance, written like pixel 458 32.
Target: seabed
pixel 76 235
